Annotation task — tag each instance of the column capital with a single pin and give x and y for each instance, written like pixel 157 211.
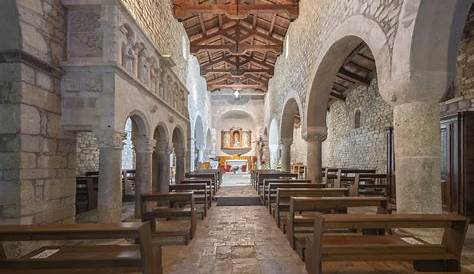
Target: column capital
pixel 110 138
pixel 145 144
pixel 315 134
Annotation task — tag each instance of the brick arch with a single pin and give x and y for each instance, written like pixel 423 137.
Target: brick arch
pixel 337 46
pixel 425 49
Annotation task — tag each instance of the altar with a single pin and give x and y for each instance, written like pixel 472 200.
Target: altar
pixel 237 162
pixel 237 166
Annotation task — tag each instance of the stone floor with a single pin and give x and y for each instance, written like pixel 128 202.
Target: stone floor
pixel 246 240
pixel 234 240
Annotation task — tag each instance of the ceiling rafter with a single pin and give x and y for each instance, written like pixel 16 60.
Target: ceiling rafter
pixel 236 42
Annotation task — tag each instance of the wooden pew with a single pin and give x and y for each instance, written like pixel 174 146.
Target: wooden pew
pixel 205 176
pixel 389 246
pixel 367 184
pixel 152 210
pixel 200 192
pixel 335 177
pixel 300 216
pixel 283 196
pixel 266 176
pixel 143 256
pixel 86 193
pixel 254 175
pixel 272 191
pixel 208 182
pixel 266 182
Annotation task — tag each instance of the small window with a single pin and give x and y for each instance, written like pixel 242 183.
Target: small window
pixel 287 45
pixel 184 47
pixel 357 119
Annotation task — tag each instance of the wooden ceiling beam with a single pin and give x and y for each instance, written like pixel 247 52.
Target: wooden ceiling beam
pixel 237 72
pixel 236 50
pixel 183 9
pixel 236 86
pixel 355 78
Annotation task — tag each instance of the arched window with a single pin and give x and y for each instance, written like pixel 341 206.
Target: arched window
pixel 184 46
pixel 357 118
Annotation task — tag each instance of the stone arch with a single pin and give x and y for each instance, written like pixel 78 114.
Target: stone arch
pixel 425 50
pixel 140 121
pixel 336 48
pixel 179 145
pixel 161 159
pixel 291 108
pixel 291 112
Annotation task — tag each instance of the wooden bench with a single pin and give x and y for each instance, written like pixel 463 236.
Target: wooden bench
pixel 266 182
pixel 142 256
pixel 393 245
pixel 205 176
pixel 367 184
pixel 266 176
pixel 335 177
pixel 301 219
pixel 86 193
pixel 272 191
pixel 208 182
pixel 263 172
pixel 283 196
pixel 152 210
pixel 200 192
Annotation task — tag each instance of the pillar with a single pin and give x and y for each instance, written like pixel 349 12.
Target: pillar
pixel 180 164
pixel 314 137
pixel 143 176
pixel 162 166
pixel 286 153
pixel 417 157
pixel 109 204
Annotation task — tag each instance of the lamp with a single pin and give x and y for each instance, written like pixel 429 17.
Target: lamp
pixel 236 94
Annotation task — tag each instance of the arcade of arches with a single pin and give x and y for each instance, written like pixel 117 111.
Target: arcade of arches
pixel 103 102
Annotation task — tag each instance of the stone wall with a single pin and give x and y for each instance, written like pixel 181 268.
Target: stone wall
pixel 156 18
pixel 465 73
pixel 363 147
pixel 305 40
pixel 87 153
pixel 37 158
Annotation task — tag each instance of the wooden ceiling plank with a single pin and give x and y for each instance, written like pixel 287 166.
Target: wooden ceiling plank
pixel 234 11
pixel 345 74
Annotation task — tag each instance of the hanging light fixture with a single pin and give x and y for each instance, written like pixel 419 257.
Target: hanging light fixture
pixel 236 94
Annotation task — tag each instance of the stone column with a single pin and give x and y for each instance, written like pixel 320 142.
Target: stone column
pixel 162 176
pixel 143 176
pixel 417 157
pixel 286 153
pixel 180 164
pixel 109 204
pixel 314 137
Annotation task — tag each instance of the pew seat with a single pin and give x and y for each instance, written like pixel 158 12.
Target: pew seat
pixel 201 200
pixel 396 243
pixel 302 210
pixel 282 205
pixel 176 219
pixel 141 257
